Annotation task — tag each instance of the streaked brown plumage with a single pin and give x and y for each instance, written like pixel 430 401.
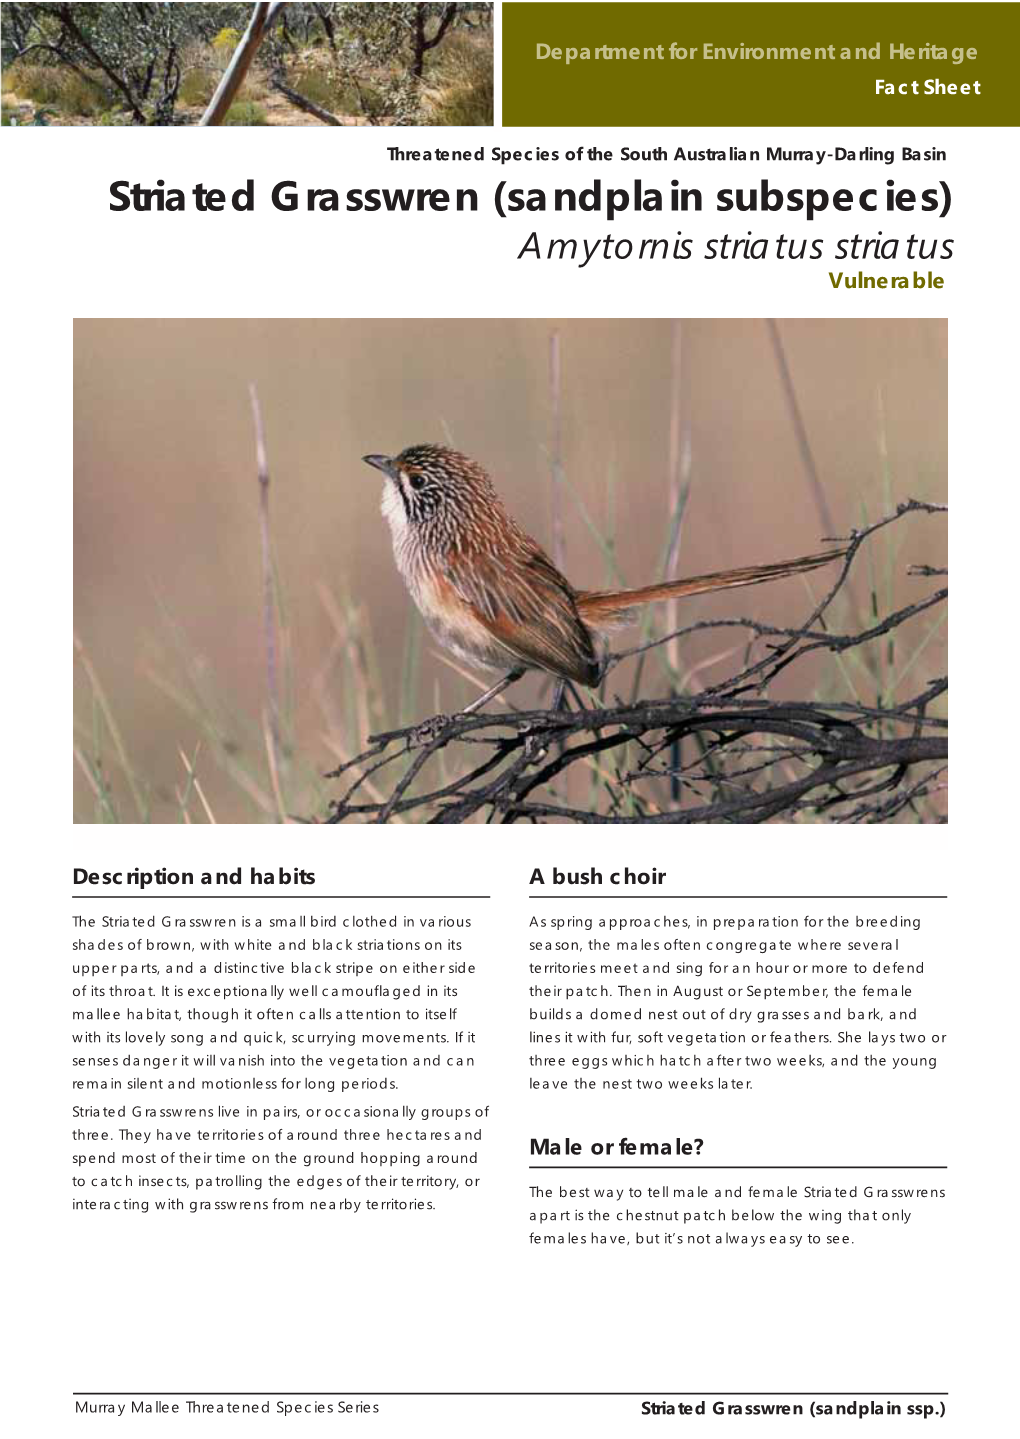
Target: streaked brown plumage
pixel 490 594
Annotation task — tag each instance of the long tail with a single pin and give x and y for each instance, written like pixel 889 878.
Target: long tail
pixel 604 609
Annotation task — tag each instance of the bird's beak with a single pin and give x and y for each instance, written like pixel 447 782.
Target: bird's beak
pixel 381 462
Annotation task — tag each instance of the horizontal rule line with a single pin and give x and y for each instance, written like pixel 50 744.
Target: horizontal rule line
pixel 502 1393
pixel 693 1167
pixel 281 896
pixel 739 896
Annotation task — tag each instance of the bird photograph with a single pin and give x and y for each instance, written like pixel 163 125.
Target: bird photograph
pixel 492 596
pixel 597 571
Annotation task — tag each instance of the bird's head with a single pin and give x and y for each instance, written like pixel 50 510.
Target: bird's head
pixel 431 483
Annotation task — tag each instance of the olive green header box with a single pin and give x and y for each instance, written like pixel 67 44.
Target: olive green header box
pixel 743 64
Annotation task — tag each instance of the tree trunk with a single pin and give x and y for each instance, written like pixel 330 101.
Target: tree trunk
pixel 327 25
pixel 419 42
pixel 422 43
pixel 240 64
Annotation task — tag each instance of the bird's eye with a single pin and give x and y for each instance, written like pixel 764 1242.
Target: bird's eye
pixel 417 481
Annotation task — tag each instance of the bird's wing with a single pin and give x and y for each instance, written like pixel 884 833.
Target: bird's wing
pixel 523 601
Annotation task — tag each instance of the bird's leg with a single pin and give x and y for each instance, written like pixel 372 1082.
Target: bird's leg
pixel 490 694
pixel 428 731
pixel 560 703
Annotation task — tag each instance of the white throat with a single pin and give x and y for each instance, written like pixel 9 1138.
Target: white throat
pixel 401 530
pixel 394 514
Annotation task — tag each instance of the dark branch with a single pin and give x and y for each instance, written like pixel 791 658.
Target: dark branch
pixel 302 102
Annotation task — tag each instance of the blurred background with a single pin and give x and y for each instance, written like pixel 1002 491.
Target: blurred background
pixel 729 441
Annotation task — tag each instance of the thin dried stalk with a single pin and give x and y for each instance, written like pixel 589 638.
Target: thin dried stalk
pixel 268 587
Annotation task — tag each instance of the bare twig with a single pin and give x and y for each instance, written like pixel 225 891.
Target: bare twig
pixel 195 784
pixel 556 448
pixel 268 588
pixel 799 428
pixel 678 476
pixel 274 773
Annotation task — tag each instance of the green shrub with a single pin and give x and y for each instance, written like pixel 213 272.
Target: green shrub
pixel 255 87
pixel 246 113
pixel 323 85
pixel 360 99
pixel 32 82
pixel 66 90
pixel 197 88
pixel 315 84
